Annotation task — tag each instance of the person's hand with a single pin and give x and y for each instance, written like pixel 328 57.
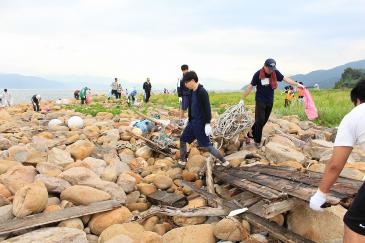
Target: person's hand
pixel 242 102
pixel 317 200
pixel 180 99
pixel 208 129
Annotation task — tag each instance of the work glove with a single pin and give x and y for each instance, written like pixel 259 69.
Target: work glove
pixel 242 102
pixel 317 200
pixel 180 99
pixel 208 130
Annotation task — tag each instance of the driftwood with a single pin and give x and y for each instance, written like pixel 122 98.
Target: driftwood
pixel 270 210
pixel 274 229
pixel 251 186
pixel 154 146
pixel 181 212
pixel 280 185
pixel 52 217
pixel 343 186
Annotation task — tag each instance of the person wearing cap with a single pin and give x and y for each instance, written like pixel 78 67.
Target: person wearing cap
pixel 198 126
pixel 266 81
pixel 147 90
pixel 350 133
pixel 183 93
pixel 36 101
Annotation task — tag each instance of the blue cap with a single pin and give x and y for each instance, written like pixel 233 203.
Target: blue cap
pixel 270 63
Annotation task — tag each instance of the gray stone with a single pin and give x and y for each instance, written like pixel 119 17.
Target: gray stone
pixel 279 153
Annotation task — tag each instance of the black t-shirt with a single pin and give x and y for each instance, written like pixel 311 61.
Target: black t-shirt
pixel 264 92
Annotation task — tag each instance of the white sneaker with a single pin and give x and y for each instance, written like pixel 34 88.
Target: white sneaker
pixel 225 164
pixel 181 163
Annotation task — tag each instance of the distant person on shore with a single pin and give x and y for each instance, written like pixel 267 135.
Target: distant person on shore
pixel 83 94
pixel 300 93
pixel 119 91
pixel 6 98
pixel 289 96
pixel 316 86
pixel 198 126
pixel 350 133
pixel 77 94
pixel 266 81
pixel 183 93
pixel 36 102
pixel 115 86
pixel 147 90
pixel 131 99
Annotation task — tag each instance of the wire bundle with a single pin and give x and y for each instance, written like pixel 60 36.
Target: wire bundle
pixel 232 122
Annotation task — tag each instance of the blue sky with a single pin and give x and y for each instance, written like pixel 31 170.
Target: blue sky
pixel 224 41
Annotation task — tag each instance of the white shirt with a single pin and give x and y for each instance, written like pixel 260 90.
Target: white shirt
pixel 351 131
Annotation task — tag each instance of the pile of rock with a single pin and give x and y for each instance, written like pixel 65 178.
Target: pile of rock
pixel 48 168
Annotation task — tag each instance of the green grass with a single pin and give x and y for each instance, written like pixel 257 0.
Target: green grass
pixel 332 104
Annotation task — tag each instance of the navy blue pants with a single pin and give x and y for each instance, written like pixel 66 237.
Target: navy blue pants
pixel 195 130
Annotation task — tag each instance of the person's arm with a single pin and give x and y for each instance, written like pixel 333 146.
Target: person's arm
pixel 334 167
pixel 247 91
pixel 292 82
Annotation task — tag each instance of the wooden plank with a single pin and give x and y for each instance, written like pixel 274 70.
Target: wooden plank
pixel 272 228
pixel 270 210
pixel 343 185
pixel 256 188
pixel 182 212
pixel 167 199
pixel 295 189
pixel 52 217
pixel 275 230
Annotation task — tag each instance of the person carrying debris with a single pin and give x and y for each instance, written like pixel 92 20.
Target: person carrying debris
pixel 147 90
pixel 36 101
pixel 351 132
pixel 266 81
pixel 198 126
pixel 183 93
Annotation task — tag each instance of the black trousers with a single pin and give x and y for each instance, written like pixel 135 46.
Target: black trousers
pixel 148 95
pixel 262 114
pixel 83 101
pixel 36 106
pixel 115 93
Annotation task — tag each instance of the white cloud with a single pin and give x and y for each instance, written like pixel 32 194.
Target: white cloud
pixel 138 39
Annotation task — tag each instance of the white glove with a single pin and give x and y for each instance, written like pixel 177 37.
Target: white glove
pixel 208 129
pixel 242 102
pixel 317 200
pixel 180 99
pixel 186 122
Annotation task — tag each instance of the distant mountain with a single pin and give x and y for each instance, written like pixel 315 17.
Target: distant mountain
pixel 60 82
pixel 16 81
pixel 326 78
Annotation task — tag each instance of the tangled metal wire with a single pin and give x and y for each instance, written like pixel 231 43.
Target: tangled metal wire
pixel 231 123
